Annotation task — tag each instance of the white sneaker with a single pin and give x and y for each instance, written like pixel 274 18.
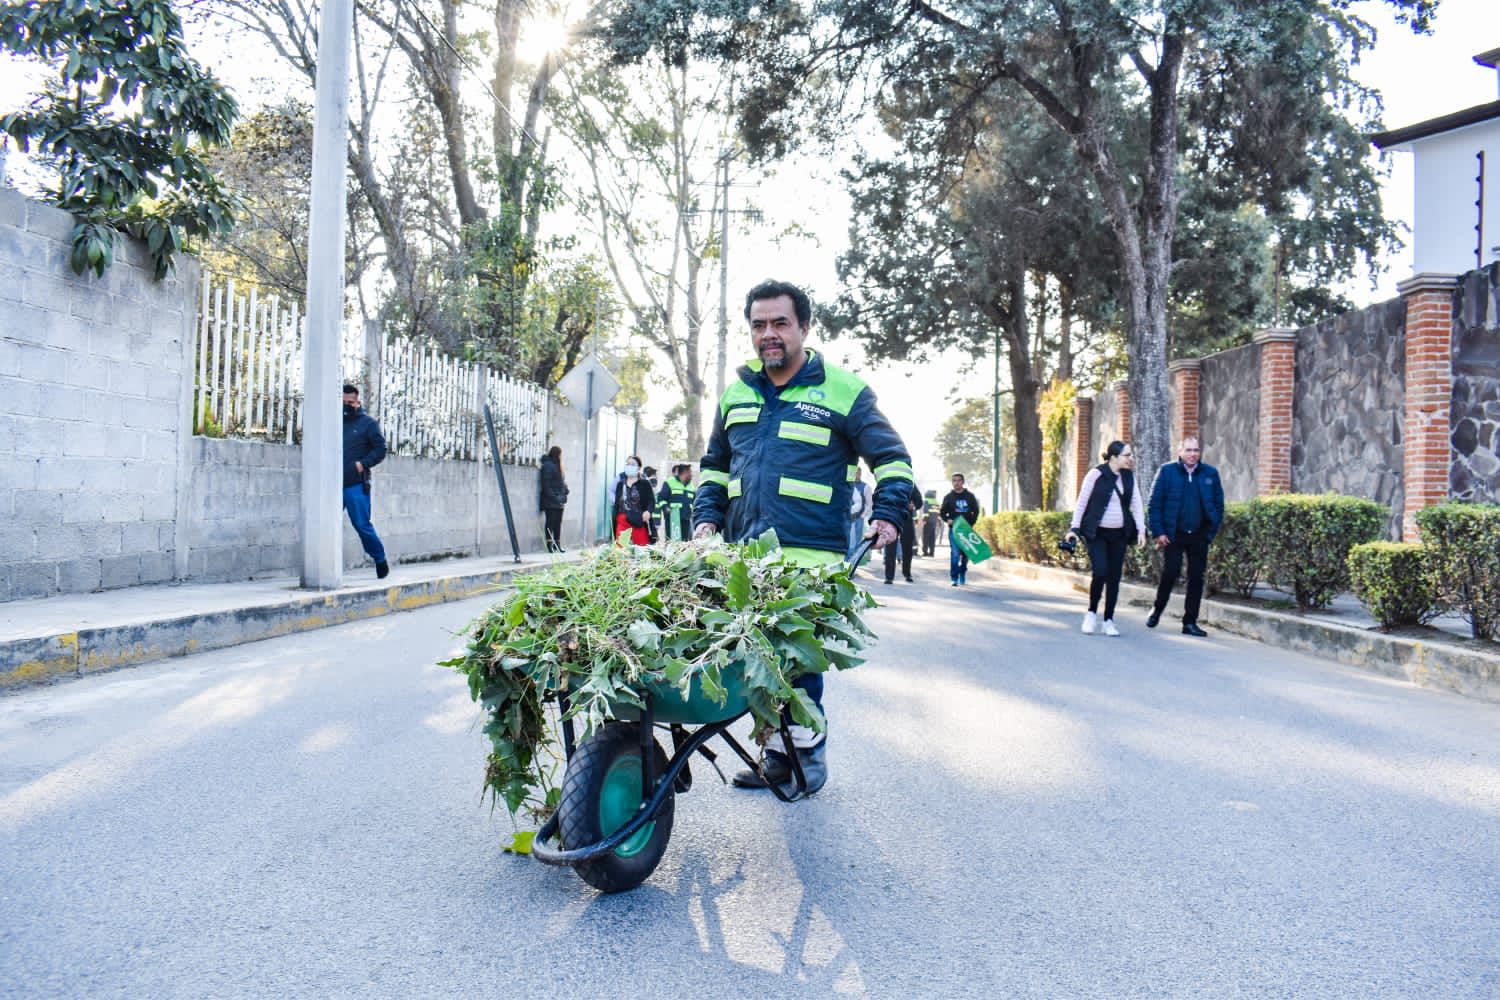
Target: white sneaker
pixel 1109 628
pixel 1090 623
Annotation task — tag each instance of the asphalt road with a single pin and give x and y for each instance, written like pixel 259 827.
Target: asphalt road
pixel 1015 810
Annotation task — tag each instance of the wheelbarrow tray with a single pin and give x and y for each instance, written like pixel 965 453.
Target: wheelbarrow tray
pixel 668 704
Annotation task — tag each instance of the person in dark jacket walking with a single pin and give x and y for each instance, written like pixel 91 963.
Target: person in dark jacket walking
pixel 907 540
pixel 1183 515
pixel 364 448
pixel 635 502
pixel 789 432
pixel 1110 518
pixel 930 521
pixel 554 497
pixel 958 503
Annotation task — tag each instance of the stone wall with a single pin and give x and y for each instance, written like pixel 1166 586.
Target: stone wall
pixel 1349 401
pixel 92 409
pixel 1475 470
pixel 1228 411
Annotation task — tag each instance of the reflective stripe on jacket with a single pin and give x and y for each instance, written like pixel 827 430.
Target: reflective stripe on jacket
pixel 785 459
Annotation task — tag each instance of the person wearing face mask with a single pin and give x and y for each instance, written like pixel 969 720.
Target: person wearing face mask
pixel 1110 517
pixel 364 448
pixel 634 501
pixel 788 435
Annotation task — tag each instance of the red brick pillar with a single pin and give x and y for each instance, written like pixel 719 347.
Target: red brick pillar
pixel 1278 375
pixel 1122 411
pixel 1185 375
pixel 1083 439
pixel 1429 393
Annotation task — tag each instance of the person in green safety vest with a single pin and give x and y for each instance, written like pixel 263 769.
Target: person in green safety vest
pixel 674 502
pixel 788 434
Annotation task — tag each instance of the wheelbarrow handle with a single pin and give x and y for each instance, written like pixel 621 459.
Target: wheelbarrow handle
pixel 863 549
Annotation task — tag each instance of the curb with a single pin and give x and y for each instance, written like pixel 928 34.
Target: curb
pixel 61 656
pixel 1471 672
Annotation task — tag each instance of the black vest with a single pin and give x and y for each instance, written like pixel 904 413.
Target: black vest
pixel 1093 513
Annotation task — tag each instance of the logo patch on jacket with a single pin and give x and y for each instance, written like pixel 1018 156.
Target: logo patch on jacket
pixel 815 412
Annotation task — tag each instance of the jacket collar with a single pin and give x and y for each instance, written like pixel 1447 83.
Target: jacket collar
pixel 811 372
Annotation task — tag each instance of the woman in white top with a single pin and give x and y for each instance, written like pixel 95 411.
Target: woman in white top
pixel 1110 517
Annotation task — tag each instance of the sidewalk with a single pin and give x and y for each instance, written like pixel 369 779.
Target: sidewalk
pixel 1438 656
pixel 71 635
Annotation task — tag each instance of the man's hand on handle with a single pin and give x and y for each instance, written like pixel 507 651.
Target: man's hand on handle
pixel 884 533
pixel 705 530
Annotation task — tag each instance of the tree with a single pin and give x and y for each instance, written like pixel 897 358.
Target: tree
pixel 966 440
pixel 651 139
pixel 478 192
pixel 1258 85
pixel 267 166
pixel 120 122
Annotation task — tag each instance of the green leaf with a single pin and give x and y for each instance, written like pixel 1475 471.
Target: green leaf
pixel 738 585
pixel 520 842
pixel 644 634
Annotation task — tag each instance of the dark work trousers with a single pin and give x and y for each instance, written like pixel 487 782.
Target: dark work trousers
pixel 553 529
pixel 1107 560
pixel 929 536
pixel 1195 547
pixel 908 538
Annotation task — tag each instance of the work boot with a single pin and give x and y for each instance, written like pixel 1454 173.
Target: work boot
pixel 778 770
pixel 775 765
pixel 382 569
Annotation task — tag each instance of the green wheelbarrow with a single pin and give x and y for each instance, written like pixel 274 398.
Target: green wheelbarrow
pixel 619 788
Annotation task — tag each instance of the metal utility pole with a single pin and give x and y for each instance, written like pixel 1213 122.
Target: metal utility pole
pixel 322 445
pixel 724 272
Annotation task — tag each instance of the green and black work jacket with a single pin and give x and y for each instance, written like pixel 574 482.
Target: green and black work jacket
pixel 675 504
pixel 784 458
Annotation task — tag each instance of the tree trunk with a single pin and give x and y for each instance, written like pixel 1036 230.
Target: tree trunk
pixel 1025 393
pixel 1065 332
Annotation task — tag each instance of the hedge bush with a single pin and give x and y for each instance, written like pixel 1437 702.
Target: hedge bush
pixel 1306 539
pixel 1031 535
pixel 1237 561
pixel 1394 581
pixel 1463 542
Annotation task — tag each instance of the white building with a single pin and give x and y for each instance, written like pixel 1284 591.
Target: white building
pixel 1456 211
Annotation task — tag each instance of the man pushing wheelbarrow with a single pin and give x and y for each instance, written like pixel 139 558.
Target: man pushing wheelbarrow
pixel 633 642
pixel 787 438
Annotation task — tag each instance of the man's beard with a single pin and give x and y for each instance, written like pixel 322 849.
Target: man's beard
pixel 777 364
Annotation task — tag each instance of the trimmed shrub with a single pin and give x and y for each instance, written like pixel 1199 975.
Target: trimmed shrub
pixel 1393 580
pixel 1144 564
pixel 1237 558
pixel 1463 543
pixel 1307 539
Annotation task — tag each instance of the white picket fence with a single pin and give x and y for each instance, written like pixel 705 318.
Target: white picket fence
pixel 249 384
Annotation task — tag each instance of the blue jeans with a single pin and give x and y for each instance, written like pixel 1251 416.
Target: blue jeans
pixel 958 563
pixel 357 503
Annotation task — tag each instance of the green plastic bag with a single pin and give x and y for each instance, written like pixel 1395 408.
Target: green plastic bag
pixel 969 542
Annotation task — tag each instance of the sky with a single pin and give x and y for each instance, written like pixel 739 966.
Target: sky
pixel 1419 77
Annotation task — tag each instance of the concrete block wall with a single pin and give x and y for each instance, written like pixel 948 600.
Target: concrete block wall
pixel 244 516
pixel 92 410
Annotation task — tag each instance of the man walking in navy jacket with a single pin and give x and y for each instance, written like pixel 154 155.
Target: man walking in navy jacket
pixel 1184 514
pixel 364 447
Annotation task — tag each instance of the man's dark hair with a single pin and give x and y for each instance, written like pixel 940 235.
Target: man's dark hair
pixel 351 387
pixel 775 290
pixel 960 475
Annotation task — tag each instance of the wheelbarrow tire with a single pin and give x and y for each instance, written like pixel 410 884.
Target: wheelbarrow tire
pixel 601 790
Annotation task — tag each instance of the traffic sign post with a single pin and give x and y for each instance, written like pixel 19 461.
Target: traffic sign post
pixel 589 387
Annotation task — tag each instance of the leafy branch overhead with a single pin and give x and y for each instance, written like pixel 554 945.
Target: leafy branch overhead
pixel 121 122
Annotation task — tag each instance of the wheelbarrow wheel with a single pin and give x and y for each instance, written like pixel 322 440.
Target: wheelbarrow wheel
pixel 601 791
